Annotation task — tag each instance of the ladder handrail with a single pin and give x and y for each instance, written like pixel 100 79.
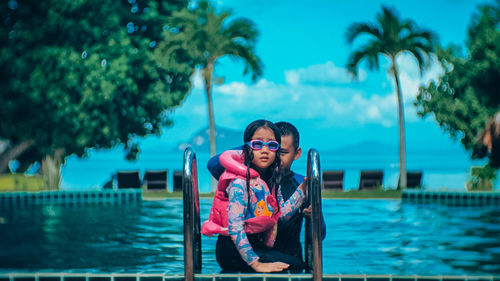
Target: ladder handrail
pixel 192 235
pixel 313 243
pixel 191 206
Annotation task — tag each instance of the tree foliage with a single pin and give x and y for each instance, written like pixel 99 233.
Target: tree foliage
pixel 468 94
pixel 207 35
pixel 389 37
pixel 86 74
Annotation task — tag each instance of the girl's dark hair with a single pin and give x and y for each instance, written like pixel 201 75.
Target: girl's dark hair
pixel 271 176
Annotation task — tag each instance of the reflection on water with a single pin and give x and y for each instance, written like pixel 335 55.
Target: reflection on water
pixel 363 236
pixel 388 237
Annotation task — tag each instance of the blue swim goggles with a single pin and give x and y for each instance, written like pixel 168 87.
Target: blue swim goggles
pixel 258 145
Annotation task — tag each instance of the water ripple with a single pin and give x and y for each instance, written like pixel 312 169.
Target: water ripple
pixel 363 236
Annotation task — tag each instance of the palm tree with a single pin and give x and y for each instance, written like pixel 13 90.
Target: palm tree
pixel 389 37
pixel 207 36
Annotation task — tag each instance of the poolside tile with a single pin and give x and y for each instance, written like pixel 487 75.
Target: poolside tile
pixel 174 278
pixel 51 278
pixel 251 277
pixel 351 278
pixel 127 278
pixel 100 278
pixel 151 278
pixel 74 278
pixel 24 278
pixel 437 278
pixel 453 278
pixel 226 277
pixel 308 277
pixel 280 277
pixel 401 278
pixel 203 278
pixel 325 278
pixel 378 279
pixel 485 278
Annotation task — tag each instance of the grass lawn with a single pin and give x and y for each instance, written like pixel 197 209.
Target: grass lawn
pixel 20 182
pixel 355 194
pixel 363 194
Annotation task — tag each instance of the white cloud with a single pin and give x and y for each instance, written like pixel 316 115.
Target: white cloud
pixel 292 77
pixel 411 81
pixel 327 73
pixel 305 96
pixel 332 105
pixel 410 77
pixel 197 80
pixel 233 89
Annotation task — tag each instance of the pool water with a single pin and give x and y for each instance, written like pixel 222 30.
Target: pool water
pixel 363 237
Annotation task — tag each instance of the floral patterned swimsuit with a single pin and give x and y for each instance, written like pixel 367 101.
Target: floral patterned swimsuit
pixel 240 208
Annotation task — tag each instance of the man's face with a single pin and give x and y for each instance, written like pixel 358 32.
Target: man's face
pixel 288 152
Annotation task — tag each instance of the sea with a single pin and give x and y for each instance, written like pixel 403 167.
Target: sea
pixel 443 169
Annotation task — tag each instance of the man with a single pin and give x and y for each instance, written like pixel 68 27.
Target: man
pixel 288 238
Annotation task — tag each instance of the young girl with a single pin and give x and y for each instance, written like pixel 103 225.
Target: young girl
pixel 245 211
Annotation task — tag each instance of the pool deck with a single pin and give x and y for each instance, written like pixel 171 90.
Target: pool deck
pixel 49 276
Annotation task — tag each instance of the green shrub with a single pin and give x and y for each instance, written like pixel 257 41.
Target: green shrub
pixel 482 178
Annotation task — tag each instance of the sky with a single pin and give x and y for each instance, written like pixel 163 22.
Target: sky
pixel 303 48
pixel 302 45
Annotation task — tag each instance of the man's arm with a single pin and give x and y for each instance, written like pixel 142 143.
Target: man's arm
pixel 307 211
pixel 215 167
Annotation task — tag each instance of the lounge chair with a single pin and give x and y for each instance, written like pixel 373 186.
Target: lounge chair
pixel 109 183
pixel 370 179
pixel 156 180
pixel 177 180
pixel 128 179
pixel 413 179
pixel 333 180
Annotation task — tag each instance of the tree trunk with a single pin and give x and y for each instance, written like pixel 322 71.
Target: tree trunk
pixel 12 153
pixel 207 76
pixel 401 121
pixel 51 167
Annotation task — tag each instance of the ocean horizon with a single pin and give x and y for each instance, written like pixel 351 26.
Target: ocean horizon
pixel 445 169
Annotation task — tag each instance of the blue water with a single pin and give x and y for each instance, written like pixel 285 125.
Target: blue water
pixel 363 236
pixel 441 169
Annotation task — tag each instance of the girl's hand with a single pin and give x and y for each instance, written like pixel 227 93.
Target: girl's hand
pixel 269 266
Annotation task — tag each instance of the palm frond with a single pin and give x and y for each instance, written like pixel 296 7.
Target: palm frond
pixel 390 36
pixel 368 52
pixel 208 35
pixel 242 28
pixel 356 29
pixel 247 55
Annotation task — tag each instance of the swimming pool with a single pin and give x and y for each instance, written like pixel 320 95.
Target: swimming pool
pixel 364 237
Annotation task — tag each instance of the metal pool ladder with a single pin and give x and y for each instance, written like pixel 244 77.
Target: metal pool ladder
pixel 192 235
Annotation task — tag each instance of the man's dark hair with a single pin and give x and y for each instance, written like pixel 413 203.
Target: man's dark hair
pixel 287 129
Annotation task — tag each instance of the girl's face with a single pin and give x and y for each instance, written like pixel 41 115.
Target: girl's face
pixel 264 157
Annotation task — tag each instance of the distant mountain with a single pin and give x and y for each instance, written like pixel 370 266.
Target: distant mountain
pixel 377 147
pixel 226 139
pixel 370 147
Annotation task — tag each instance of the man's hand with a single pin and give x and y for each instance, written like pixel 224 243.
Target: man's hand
pixel 308 211
pixel 303 186
pixel 269 266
